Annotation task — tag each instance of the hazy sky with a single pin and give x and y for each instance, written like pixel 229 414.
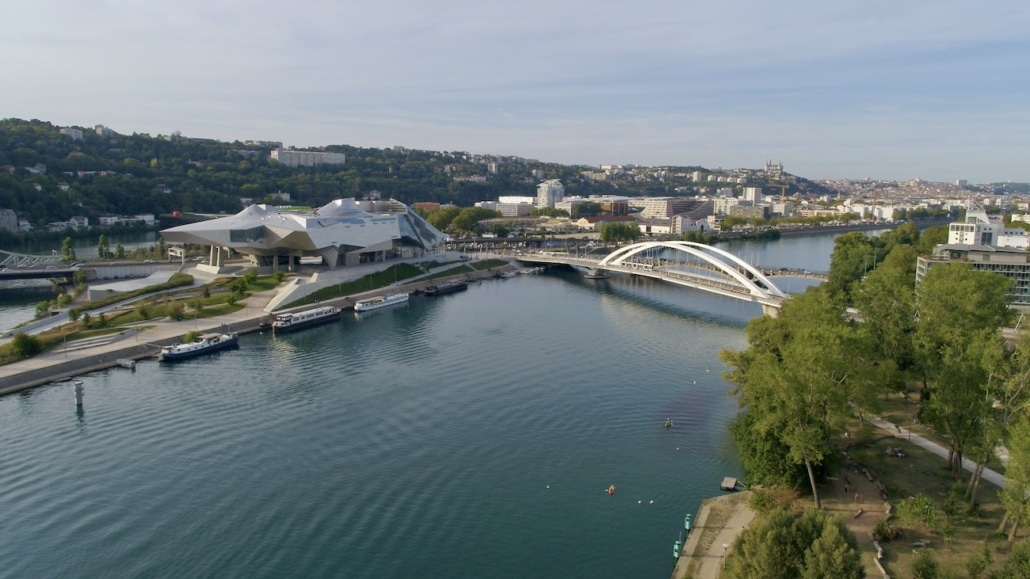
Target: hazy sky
pixel 899 89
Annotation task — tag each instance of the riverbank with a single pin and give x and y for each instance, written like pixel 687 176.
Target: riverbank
pixel 719 522
pixel 64 363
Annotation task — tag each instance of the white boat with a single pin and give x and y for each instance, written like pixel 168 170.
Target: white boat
pixel 380 302
pixel 307 318
pixel 200 345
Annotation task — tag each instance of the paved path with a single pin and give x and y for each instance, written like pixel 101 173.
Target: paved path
pixel 60 364
pixel 991 476
pixel 719 522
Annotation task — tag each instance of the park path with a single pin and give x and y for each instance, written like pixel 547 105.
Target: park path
pixel 992 476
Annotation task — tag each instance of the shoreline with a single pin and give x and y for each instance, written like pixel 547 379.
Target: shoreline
pixel 59 364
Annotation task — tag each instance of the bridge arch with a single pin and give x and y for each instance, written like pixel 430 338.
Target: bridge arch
pixel 717 259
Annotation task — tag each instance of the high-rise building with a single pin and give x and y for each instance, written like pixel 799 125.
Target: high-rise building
pixel 549 192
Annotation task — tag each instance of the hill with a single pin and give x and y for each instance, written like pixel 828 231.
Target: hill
pixel 48 176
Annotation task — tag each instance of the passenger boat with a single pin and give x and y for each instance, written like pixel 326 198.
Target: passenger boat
pixel 380 302
pixel 201 345
pixel 457 285
pixel 305 319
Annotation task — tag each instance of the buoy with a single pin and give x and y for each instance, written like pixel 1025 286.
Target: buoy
pixel 652 502
pixel 78 394
pixel 611 490
pixel 668 423
pixel 676 549
pixel 686 522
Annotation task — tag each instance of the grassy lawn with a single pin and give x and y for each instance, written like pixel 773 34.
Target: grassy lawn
pixel 918 472
pixel 488 264
pixel 387 277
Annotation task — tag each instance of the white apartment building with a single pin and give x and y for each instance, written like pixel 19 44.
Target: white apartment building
pixel 549 192
pixel 753 194
pixel 293 158
pixel 723 205
pixel 75 134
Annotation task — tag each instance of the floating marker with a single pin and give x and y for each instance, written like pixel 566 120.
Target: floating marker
pixel 78 394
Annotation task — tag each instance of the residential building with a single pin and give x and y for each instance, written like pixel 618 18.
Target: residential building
pixel 295 158
pixel 75 134
pixel 549 192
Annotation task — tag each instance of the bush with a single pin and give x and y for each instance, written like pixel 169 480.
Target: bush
pixel 885 531
pixel 925 566
pixel 175 311
pixel 26 346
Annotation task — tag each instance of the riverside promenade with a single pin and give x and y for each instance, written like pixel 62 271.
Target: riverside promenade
pixel 83 357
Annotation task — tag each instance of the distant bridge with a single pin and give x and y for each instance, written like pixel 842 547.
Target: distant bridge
pixel 10 259
pixel 686 263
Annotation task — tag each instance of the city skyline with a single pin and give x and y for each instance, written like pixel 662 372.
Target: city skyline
pixel 931 90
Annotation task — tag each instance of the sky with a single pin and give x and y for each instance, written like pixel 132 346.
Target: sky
pixel 930 89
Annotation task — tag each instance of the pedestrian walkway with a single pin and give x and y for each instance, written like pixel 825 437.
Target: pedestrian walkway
pixel 61 363
pixel 991 476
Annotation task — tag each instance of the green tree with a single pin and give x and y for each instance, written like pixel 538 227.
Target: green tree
pixel 1017 566
pixel 140 309
pixel 1017 478
pixel 781 545
pixel 886 301
pixel 441 218
pixel 854 255
pixel 957 343
pixel 42 309
pixel 798 376
pixel 25 345
pixel 102 247
pixel 925 566
pixel 67 251
pixel 833 554
pixel 119 251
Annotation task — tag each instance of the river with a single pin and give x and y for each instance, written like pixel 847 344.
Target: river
pixel 470 435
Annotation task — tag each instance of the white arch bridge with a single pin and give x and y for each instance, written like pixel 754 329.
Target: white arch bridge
pixel 686 263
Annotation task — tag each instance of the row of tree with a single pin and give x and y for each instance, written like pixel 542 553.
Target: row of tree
pixel 807 372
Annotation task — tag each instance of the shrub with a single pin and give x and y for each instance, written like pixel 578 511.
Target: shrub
pixel 885 531
pixel 26 346
pixel 174 310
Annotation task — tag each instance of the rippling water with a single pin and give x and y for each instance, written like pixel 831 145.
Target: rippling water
pixel 465 436
pixel 470 435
